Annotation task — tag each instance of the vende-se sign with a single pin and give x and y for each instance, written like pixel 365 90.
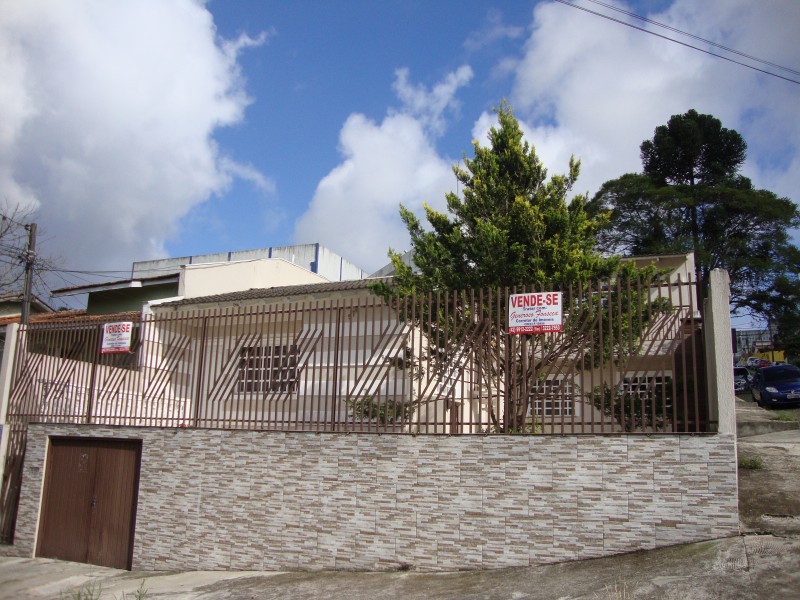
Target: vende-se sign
pixel 538 312
pixel 116 337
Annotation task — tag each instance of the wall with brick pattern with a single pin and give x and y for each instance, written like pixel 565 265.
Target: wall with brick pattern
pixel 214 499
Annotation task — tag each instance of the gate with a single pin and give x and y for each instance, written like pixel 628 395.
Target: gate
pixel 89 501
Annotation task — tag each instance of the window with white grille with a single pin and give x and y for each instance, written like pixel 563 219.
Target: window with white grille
pixel 553 398
pixel 268 368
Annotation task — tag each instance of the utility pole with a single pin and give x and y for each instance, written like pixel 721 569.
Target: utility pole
pixel 29 257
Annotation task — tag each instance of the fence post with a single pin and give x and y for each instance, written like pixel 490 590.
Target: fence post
pixel 719 353
pixel 6 376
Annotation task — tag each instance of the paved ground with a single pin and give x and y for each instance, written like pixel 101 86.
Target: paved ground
pixel 764 562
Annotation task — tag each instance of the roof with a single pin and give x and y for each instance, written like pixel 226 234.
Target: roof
pixel 116 285
pixel 72 316
pixel 37 302
pixel 279 292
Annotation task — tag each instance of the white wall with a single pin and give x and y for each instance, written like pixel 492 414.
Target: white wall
pixel 222 278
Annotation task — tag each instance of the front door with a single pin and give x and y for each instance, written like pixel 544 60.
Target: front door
pixel 89 501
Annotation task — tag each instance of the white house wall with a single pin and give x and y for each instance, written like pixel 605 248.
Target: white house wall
pixel 221 278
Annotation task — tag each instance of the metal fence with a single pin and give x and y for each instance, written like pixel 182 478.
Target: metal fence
pixel 628 359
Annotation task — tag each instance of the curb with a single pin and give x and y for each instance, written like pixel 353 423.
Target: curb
pixel 751 428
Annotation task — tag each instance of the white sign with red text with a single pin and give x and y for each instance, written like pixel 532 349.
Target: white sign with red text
pixel 116 337
pixel 538 312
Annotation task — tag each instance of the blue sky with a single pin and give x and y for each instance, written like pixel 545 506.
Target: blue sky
pixel 137 129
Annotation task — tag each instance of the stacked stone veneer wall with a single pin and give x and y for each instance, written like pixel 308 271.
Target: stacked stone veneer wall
pixel 213 499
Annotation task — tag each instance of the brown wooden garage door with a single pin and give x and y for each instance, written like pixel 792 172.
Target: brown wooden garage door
pixel 89 501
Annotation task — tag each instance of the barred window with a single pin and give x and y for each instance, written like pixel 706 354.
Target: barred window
pixel 268 368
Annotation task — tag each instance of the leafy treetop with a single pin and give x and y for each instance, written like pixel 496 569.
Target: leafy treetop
pixel 691 197
pixel 512 226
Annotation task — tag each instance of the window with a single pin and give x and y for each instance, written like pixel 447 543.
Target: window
pixel 268 369
pixel 553 398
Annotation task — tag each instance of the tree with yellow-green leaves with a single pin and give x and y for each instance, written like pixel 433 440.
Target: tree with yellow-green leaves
pixel 514 226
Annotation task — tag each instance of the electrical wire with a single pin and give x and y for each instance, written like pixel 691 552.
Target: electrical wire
pixel 631 25
pixel 695 37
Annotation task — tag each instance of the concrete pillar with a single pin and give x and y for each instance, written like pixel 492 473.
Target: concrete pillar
pixel 719 352
pixel 6 368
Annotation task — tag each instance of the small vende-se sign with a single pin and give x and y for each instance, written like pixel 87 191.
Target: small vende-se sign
pixel 538 312
pixel 116 337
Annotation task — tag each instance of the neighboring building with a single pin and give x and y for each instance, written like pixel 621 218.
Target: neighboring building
pixel 11 311
pixel 208 274
pixel 11 305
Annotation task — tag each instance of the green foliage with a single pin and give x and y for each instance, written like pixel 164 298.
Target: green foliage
pixel 633 409
pixel 751 463
pixel 693 149
pixel 781 303
pixel 786 416
pixel 690 197
pixel 513 226
pixel 389 412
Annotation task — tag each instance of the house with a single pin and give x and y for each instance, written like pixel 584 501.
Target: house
pixel 206 274
pixel 318 355
pixel 11 305
pixel 11 311
pixel 324 356
pixel 254 428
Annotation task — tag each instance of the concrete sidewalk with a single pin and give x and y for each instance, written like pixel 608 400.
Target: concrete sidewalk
pixel 751 566
pixel 764 562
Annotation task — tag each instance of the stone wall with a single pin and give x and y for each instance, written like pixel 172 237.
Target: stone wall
pixel 212 499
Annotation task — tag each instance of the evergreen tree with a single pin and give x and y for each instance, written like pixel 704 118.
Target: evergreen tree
pixel 690 197
pixel 512 226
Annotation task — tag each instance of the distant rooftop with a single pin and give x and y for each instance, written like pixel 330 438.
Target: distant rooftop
pixel 314 257
pixel 285 291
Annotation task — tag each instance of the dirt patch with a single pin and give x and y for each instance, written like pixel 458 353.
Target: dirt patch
pixel 769 497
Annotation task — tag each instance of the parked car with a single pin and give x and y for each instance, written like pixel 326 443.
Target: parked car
pixel 741 379
pixel 753 361
pixel 777 385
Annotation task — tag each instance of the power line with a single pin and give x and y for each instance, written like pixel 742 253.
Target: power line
pixel 695 37
pixel 80 272
pixel 632 26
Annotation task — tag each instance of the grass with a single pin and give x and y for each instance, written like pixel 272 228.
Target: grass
pixel 90 591
pixel 786 415
pixel 618 591
pixel 751 463
pixel 94 591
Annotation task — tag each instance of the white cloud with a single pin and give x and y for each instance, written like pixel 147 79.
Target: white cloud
pixel 494 31
pixel 108 115
pixel 428 107
pixel 597 89
pixel 583 86
pixel 355 207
